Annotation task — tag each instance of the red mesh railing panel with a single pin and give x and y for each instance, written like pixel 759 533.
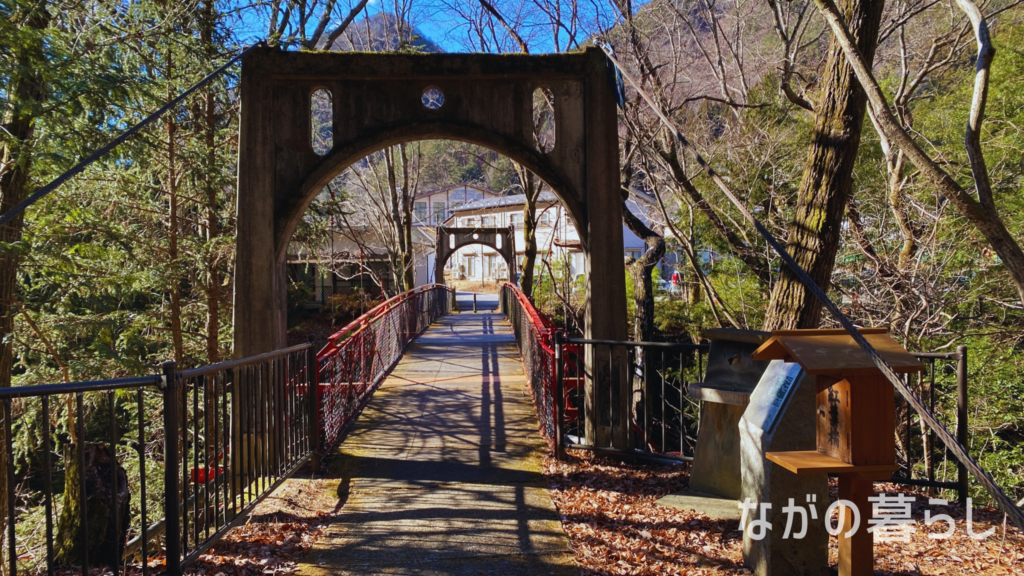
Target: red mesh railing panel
pixel 358 357
pixel 534 335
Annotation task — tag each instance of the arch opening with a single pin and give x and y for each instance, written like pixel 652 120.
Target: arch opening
pixel 356 200
pixel 377 103
pixel 544 121
pixel 321 121
pixel 479 266
pixel 342 158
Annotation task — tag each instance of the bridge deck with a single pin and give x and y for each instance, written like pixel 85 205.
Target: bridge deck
pixel 441 474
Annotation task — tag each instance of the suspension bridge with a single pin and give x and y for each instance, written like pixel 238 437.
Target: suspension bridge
pixel 434 417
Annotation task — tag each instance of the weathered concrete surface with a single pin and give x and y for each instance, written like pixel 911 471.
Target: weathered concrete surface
pixel 376 101
pixel 712 506
pixel 450 239
pixel 765 482
pixel 441 474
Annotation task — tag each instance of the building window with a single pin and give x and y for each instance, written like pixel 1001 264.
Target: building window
pixel 488 221
pixel 440 214
pixel 577 263
pixel 420 211
pixel 469 221
pixel 546 218
pixel 516 219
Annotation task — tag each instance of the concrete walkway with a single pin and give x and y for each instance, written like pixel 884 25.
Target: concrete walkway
pixel 441 474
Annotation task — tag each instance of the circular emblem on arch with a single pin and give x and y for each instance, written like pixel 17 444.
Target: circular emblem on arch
pixel 432 98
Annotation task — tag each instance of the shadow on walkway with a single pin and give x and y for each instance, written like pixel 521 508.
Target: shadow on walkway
pixel 441 474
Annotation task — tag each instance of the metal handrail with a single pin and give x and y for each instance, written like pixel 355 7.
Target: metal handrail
pixel 75 387
pixel 228 364
pixel 680 345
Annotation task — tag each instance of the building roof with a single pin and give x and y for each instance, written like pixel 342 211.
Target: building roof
pixel 504 202
pixel 450 188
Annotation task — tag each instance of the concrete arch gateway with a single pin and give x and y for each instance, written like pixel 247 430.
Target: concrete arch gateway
pixel 449 240
pixel 380 100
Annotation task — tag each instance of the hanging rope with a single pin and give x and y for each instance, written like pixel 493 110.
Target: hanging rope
pixel 958 450
pixel 78 168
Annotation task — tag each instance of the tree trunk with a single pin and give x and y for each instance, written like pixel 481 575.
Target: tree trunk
pixel 172 226
pixel 980 212
pixel 401 226
pixel 102 532
pixel 408 263
pixel 827 179
pixel 212 288
pixel 640 272
pixel 212 225
pixel 531 189
pixel 25 90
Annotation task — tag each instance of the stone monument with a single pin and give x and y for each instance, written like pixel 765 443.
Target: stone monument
pixel 780 416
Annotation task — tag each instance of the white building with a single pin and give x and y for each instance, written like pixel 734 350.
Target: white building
pixel 433 208
pixel 556 235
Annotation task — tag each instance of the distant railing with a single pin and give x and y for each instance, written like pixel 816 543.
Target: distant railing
pixel 356 358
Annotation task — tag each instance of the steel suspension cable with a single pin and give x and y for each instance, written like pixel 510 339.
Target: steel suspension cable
pixel 1002 500
pixel 121 138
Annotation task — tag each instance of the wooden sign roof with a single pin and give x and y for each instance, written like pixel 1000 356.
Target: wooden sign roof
pixel 833 352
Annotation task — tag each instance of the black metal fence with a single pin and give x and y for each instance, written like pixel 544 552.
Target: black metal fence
pixel 228 464
pixel 124 452
pixel 943 388
pixel 663 418
pixel 197 450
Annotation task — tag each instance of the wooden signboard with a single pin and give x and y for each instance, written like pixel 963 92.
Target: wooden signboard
pixel 855 419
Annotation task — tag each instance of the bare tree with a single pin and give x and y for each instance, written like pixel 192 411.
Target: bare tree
pixel 378 211
pixel 310 24
pixel 981 212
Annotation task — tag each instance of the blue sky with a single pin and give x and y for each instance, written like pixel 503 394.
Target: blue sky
pixel 437 23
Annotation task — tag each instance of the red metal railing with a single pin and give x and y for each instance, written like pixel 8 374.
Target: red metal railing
pixel 358 357
pixel 535 337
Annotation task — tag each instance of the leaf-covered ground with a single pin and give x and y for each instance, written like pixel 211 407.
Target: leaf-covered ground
pixel 277 535
pixel 615 527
